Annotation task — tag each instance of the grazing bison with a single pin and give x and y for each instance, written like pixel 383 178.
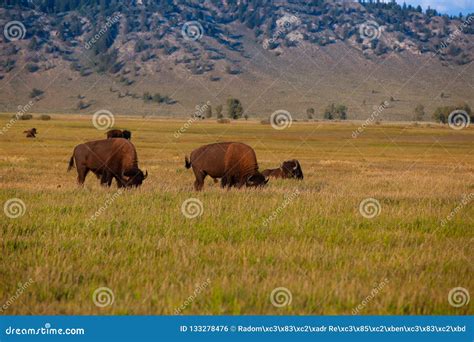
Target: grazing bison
pixel 108 159
pixel 235 163
pixel 117 133
pixel 31 133
pixel 288 169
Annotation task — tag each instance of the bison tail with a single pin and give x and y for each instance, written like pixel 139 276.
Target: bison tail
pixel 187 163
pixel 71 164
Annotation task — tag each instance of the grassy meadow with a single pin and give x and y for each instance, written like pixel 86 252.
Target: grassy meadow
pixel 316 244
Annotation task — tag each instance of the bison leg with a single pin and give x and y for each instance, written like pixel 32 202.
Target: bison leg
pixel 110 178
pixel 224 182
pixel 121 183
pixel 199 182
pixel 81 174
pixel 228 182
pixel 105 178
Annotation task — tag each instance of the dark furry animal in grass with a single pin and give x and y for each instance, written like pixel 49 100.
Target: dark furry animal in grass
pixel 31 133
pixel 288 169
pixel 108 159
pixel 117 133
pixel 235 163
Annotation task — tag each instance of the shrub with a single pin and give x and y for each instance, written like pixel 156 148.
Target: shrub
pixel 157 98
pixel 234 108
pixel 31 67
pixel 232 70
pixel 36 93
pixel 219 111
pixel 147 97
pixel 335 112
pixel 85 72
pixel 82 105
pixel 45 117
pixel 419 113
pixel 223 121
pixel 341 111
pixel 25 117
pixel 441 114
pixel 208 111
pixel 329 112
pixel 310 113
pixel 75 66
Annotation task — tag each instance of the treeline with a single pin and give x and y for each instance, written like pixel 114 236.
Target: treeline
pixel 400 11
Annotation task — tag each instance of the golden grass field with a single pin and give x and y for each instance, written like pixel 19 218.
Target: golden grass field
pixel 318 245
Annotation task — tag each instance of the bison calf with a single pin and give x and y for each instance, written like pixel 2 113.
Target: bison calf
pixel 31 133
pixel 235 163
pixel 108 159
pixel 117 133
pixel 288 169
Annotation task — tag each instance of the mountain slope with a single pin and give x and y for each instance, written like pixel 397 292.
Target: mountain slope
pixel 166 57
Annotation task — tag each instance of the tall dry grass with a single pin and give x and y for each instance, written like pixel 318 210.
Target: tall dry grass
pixel 317 245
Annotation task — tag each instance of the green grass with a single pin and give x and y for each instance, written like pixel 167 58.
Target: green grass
pixel 318 245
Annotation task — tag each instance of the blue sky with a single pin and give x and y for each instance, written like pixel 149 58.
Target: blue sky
pixel 444 6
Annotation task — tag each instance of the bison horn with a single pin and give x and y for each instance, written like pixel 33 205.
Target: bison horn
pixel 266 180
pixel 296 166
pixel 146 174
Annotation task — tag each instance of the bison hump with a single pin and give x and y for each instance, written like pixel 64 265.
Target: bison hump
pixel 240 160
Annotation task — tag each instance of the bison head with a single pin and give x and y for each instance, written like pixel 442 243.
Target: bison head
pixel 135 177
pixel 256 180
pixel 292 169
pixel 126 134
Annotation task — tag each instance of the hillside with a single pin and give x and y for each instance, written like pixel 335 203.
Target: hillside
pixel 167 57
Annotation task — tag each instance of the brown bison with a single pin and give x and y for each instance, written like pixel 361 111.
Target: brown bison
pixel 288 169
pixel 117 133
pixel 235 163
pixel 31 133
pixel 108 159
